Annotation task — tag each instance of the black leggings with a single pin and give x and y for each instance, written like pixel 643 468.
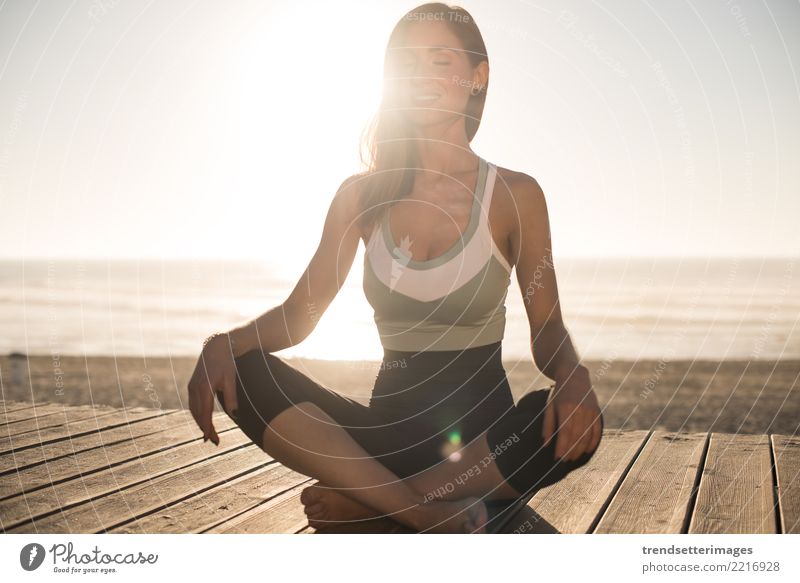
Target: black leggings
pixel 424 406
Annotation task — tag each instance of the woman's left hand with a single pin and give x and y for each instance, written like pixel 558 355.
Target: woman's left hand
pixel 573 409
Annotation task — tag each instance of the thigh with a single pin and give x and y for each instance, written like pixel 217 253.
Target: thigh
pixel 267 385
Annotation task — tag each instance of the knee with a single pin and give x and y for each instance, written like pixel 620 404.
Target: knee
pixel 527 463
pixel 261 377
pixel 254 355
pixel 256 366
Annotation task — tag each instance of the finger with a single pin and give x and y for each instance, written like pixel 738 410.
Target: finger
pixel 598 433
pixel 208 406
pixel 548 423
pixel 229 392
pixel 563 441
pixel 566 434
pixel 194 407
pixel 204 406
pixel 588 443
pixel 576 431
pixel 199 423
pixel 583 437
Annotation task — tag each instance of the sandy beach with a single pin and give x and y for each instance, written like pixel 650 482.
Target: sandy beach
pixel 754 397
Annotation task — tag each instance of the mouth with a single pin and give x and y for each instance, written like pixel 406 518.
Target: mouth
pixel 425 97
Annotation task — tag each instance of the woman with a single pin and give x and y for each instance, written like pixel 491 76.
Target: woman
pixel 442 229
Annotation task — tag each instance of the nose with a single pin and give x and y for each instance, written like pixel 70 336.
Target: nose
pixel 423 74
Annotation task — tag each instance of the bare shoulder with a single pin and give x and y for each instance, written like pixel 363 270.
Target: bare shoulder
pixel 521 194
pixel 348 194
pixel 346 203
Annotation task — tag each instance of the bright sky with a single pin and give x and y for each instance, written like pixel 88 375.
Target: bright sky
pixel 185 129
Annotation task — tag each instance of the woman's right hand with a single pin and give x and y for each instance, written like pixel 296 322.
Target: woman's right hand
pixel 215 371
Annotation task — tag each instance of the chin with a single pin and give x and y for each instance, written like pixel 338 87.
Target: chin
pixel 427 117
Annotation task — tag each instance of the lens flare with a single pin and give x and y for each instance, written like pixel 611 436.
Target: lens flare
pixel 451 446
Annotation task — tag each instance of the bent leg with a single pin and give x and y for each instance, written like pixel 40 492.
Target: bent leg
pixel 507 461
pixel 519 451
pixel 267 386
pixel 311 429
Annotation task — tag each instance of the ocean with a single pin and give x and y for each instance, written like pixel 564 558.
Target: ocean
pixel 667 309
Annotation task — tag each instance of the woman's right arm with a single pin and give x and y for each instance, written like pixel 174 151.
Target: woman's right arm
pixel 291 322
pixel 287 324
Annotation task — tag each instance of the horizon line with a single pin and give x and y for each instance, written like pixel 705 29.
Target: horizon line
pixel 249 259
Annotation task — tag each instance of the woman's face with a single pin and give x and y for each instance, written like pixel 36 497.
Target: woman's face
pixel 431 74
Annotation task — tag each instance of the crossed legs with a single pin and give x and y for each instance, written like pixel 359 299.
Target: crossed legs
pixel 480 471
pixel 342 444
pixel 306 439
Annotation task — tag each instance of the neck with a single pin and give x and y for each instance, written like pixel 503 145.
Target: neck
pixel 444 150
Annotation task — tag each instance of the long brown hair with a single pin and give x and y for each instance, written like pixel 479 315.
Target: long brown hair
pixel 391 154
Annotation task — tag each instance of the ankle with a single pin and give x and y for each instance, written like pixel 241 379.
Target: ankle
pixel 419 514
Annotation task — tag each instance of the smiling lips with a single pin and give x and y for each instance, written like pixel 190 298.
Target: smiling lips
pixel 427 97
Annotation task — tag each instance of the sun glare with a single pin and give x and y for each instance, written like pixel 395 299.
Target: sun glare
pixel 309 83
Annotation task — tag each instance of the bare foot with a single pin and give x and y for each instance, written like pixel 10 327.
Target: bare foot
pixel 468 515
pixel 326 506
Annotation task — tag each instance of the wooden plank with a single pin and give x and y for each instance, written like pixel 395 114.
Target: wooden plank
pixel 279 515
pixel 29 417
pixel 82 464
pixel 45 502
pixel 129 503
pixel 117 418
pixel 217 505
pixel 786 451
pixel 272 519
pixel 29 411
pixel 9 406
pixel 66 416
pixel 575 503
pixel 736 488
pixel 655 495
pixel 148 471
pixel 13 461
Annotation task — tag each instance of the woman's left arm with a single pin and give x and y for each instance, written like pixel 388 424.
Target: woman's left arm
pixel 573 408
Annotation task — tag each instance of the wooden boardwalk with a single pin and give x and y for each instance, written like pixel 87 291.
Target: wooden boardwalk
pixel 98 469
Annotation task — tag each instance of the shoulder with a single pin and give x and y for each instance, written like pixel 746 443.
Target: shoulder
pixel 346 200
pixel 350 189
pixel 521 192
pixel 522 187
pixel 346 205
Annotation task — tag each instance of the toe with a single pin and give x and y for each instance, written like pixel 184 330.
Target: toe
pixel 314 509
pixel 478 517
pixel 309 495
pixel 317 523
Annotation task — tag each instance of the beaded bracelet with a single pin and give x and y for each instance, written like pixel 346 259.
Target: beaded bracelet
pixel 215 334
